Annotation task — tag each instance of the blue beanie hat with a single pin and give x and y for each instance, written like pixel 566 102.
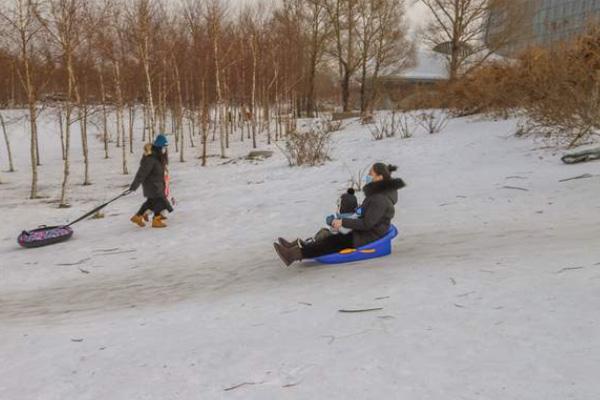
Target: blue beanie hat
pixel 161 141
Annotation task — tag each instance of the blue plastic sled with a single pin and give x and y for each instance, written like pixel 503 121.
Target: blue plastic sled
pixel 379 248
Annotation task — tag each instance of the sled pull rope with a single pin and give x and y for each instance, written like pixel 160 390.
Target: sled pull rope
pixel 100 207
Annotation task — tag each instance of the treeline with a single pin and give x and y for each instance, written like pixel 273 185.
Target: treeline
pixel 204 64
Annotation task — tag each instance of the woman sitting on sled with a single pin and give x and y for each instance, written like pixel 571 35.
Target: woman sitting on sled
pixel 377 211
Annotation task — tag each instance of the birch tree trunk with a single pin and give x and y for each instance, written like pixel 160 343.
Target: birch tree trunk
pixel 66 165
pixel 83 117
pixel 61 127
pixel 131 125
pixel 254 49
pixel 11 167
pixel 119 112
pixel 104 114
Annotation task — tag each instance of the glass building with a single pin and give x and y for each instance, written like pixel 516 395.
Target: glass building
pixel 545 22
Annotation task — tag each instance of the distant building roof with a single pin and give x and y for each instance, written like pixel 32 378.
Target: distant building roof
pixel 429 66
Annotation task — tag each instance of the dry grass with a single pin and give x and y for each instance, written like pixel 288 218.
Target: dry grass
pixel 556 89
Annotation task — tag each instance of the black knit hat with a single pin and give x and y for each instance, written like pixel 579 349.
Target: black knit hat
pixel 384 170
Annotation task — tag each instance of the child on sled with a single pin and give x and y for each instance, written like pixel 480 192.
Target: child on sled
pixel 347 208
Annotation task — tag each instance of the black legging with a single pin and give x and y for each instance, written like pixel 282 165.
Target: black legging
pixel 156 205
pixel 327 245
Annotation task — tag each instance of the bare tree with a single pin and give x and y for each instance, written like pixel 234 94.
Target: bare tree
pixel 384 45
pixel 23 29
pixel 143 28
pixel 11 166
pixel 105 135
pixel 318 31
pixel 253 25
pixel 366 32
pixel 459 29
pixel 214 14
pixel 178 107
pixel 111 46
pixel 343 17
pixel 63 23
pixel 193 15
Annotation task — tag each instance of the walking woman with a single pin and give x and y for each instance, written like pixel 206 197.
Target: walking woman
pixel 151 176
pixel 377 212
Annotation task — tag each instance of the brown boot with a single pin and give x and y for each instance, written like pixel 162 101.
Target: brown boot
pixel 289 245
pixel 288 256
pixel 138 220
pixel 147 216
pixel 158 223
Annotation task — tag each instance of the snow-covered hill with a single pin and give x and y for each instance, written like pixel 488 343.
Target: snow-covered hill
pixel 492 291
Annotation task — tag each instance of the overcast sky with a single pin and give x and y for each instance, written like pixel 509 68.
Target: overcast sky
pixel 417 14
pixel 416 11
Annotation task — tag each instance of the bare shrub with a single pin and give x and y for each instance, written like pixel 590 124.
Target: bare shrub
pixel 552 135
pixel 357 177
pixel 491 90
pixel 308 148
pixel 404 126
pixel 379 130
pixel 556 89
pixel 333 126
pixel 528 127
pixel 327 124
pixel 431 121
pixel 391 125
pixel 562 89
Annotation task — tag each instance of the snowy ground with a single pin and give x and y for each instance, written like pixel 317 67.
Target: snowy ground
pixel 492 292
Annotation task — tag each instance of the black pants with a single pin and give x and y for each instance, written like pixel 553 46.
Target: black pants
pixel 156 205
pixel 327 245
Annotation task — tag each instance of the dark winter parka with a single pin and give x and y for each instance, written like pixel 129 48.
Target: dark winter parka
pixel 377 211
pixel 151 174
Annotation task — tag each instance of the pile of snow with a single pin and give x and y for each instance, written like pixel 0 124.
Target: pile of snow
pixel 492 290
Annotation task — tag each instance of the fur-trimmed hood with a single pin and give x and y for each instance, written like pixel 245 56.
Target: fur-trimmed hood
pixel 388 187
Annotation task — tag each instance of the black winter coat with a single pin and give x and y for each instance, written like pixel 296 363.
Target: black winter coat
pixel 377 211
pixel 151 175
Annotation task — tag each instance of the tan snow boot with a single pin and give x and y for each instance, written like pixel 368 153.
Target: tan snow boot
pixel 158 223
pixel 138 220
